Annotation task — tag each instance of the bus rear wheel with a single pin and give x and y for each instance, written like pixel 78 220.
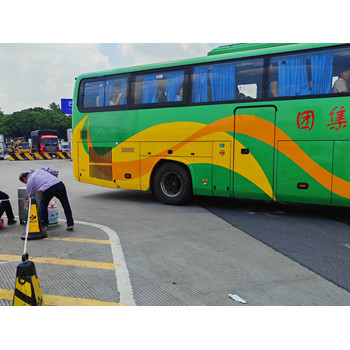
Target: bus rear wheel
pixel 172 184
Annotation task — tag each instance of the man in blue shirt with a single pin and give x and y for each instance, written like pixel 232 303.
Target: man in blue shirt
pixel 46 181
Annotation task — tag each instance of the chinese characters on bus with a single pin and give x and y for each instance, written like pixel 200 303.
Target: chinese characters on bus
pixel 306 120
pixel 339 121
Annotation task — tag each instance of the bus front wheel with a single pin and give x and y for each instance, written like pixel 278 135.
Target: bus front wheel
pixel 172 184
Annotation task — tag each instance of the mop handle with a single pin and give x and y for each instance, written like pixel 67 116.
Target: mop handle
pixel 25 254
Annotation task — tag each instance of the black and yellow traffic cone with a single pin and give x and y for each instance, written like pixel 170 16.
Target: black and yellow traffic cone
pixel 34 226
pixel 27 289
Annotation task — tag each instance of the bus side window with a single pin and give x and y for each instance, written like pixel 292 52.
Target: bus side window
pixel 174 86
pixel 146 88
pixel 249 79
pixel 161 87
pixel 228 81
pixel 138 83
pixel 200 86
pixel 161 95
pixel 93 94
pixel 321 72
pixel 222 80
pixel 301 75
pixel 341 74
pixel 273 81
pixel 116 92
pixel 308 74
pixel 292 75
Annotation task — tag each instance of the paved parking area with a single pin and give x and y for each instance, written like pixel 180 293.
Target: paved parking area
pixel 129 249
pixel 74 267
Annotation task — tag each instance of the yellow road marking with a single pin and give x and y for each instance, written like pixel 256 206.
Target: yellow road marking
pixel 80 240
pixel 57 300
pixel 6 294
pixel 65 262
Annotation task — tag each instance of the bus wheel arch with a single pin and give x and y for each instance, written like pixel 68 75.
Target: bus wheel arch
pixel 171 182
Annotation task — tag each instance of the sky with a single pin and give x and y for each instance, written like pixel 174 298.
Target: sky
pixel 44 47
pixel 37 74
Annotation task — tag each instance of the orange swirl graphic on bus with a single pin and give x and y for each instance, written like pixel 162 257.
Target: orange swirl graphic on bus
pixel 260 127
pixel 254 127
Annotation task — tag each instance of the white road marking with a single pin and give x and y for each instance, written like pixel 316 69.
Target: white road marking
pixel 120 268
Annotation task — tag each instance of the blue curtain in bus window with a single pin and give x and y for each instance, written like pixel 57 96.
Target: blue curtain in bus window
pixel 149 91
pixel 322 72
pixel 223 82
pixel 292 77
pixel 200 84
pixel 174 83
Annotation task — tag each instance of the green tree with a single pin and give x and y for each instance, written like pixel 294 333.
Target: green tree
pixel 3 129
pixel 55 107
pixel 22 123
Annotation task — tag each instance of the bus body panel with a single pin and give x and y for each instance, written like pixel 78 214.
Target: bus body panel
pixel 294 184
pixel 253 159
pixel 287 149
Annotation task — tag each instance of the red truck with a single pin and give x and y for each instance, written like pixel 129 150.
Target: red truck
pixel 45 141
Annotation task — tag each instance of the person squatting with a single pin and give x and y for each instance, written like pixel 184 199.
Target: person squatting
pixel 5 206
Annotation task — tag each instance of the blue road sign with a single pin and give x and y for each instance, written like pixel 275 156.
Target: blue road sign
pixel 66 105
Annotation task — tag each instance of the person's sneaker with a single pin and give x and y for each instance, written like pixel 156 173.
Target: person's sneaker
pixel 11 222
pixel 70 228
pixel 43 228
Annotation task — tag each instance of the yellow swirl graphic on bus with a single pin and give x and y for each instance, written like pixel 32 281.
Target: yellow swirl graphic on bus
pixel 192 132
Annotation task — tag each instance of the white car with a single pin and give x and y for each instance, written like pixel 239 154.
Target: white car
pixel 2 150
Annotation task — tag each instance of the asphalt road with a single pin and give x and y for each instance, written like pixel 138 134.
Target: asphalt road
pixel 197 254
pixel 317 237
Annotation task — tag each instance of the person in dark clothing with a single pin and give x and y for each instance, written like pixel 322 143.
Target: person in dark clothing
pixel 46 181
pixel 5 206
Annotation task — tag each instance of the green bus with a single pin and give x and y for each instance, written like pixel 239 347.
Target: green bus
pixel 255 121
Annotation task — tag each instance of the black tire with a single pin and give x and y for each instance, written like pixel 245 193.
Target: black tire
pixel 172 184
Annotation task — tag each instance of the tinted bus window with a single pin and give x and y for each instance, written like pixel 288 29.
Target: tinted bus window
pixel 314 73
pixel 161 87
pixel 116 92
pixel 104 93
pixel 92 92
pixel 227 81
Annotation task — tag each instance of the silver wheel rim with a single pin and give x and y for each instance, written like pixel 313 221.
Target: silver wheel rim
pixel 171 184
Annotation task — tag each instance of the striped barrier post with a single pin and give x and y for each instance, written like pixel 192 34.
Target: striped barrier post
pixel 27 156
pixel 38 156
pixel 45 155
pixel 15 156
pixel 64 155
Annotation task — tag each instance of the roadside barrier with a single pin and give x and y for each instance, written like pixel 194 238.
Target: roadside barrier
pixel 37 156
pixel 34 225
pixel 64 155
pixel 43 155
pixel 27 287
pixel 16 156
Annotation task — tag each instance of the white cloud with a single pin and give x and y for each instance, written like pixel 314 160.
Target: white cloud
pixel 34 75
pixel 139 54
